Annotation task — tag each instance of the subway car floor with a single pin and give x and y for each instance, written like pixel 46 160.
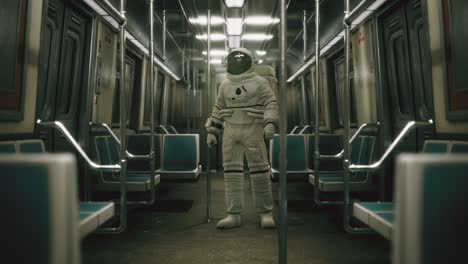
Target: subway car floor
pixel 175 231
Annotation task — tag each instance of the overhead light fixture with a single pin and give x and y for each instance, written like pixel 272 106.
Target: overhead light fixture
pixel 234 26
pixel 261 20
pixel 214 37
pixel 234 42
pixel 202 20
pixel 234 3
pixel 216 52
pixel 261 52
pixel 216 61
pixel 257 37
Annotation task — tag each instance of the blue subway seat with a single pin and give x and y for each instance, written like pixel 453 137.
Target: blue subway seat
pixel 107 151
pixel 180 157
pixel 7 147
pixel 362 152
pixel 42 208
pixel 297 165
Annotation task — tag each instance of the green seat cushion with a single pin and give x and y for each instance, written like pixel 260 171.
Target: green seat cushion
pixel 444 212
pixel 25 213
pixel 295 153
pixel 180 153
pixel 378 207
pixel 435 147
pixel 31 147
pixel 7 148
pixel 460 148
pixel 387 216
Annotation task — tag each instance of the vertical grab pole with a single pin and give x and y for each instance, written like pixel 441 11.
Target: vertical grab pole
pixel 283 199
pixel 346 125
pixel 317 106
pixel 152 94
pixel 208 86
pixel 123 124
pixel 346 122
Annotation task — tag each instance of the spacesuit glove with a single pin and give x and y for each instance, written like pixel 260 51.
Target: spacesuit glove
pixel 269 131
pixel 225 113
pixel 211 140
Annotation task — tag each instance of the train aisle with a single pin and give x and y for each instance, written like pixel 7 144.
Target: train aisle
pixel 175 231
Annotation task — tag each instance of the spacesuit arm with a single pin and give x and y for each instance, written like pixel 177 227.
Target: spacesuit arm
pixel 214 124
pixel 271 104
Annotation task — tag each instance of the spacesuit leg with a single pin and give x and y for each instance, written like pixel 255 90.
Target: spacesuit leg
pixel 233 154
pixel 260 175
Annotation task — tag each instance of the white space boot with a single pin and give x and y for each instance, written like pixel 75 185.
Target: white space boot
pixel 230 221
pixel 267 220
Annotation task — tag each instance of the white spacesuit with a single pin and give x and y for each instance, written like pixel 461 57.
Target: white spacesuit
pixel 249 109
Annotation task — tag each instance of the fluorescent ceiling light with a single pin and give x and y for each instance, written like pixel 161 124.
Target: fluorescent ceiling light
pixel 234 3
pixel 234 42
pixel 214 36
pixel 216 52
pixel 261 20
pixel 256 37
pixel 234 26
pixel 261 52
pixel 216 61
pixel 202 20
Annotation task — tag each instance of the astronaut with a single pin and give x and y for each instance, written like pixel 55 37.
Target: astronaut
pixel 249 109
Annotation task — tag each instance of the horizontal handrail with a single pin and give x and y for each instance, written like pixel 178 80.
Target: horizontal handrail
pixel 117 140
pixel 361 7
pixel 304 129
pixel 60 127
pixel 406 130
pixel 173 128
pixel 356 134
pixel 112 11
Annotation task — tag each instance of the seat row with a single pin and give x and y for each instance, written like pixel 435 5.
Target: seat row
pixel 380 216
pixel 91 214
pixel 177 157
pixel 300 157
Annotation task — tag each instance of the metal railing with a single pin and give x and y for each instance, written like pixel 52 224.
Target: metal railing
pixel 117 140
pixel 304 129
pixel 163 128
pixel 356 134
pixel 173 129
pixel 410 126
pixel 68 136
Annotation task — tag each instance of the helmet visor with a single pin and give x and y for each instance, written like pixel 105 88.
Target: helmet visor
pixel 238 63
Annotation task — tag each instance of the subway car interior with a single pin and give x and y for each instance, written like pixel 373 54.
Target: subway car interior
pixel 234 131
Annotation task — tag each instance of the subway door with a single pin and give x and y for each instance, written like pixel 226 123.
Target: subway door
pixel 48 70
pixel 421 70
pixel 62 56
pixel 70 76
pixel 396 72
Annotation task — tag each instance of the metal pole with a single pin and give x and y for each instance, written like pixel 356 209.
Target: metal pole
pixel 152 102
pixel 318 83
pixel 164 34
pixel 123 124
pixel 188 94
pixel 208 86
pixel 304 35
pixel 346 128
pixel 283 199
